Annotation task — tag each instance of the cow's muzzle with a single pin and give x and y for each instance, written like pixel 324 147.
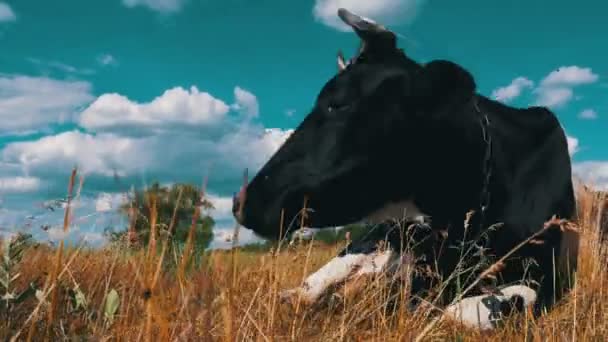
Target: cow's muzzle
pixel 237 207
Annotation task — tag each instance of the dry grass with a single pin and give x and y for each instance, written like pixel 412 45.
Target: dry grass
pixel 212 301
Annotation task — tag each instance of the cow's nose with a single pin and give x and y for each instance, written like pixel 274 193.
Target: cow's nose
pixel 235 204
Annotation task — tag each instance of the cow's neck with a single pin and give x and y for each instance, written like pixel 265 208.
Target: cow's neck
pixel 447 190
pixel 405 210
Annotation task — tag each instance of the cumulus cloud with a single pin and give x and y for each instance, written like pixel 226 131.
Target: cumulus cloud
pixel 246 102
pixel 107 154
pixel 176 107
pixel 387 12
pixel 594 173
pixel 588 114
pixel 106 202
pixel 569 75
pixel 223 231
pixel 553 97
pixel 513 90
pixel 28 103
pixel 100 154
pixel 56 234
pixel 572 145
pixel 222 210
pixel 222 238
pixel 6 13
pixel 19 184
pixel 556 89
pixel 163 6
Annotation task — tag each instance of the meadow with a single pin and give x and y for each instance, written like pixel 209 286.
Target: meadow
pixel 159 292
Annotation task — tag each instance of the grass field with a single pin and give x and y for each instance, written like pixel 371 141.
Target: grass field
pixel 159 294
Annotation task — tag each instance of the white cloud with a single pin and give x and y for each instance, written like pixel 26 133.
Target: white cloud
pixel 386 12
pixel 175 107
pixel 222 207
pixel 179 133
pixel 556 89
pixel 223 236
pixel 167 156
pixel 251 146
pixel 106 202
pixel 593 173
pixel 290 112
pixel 223 231
pixel 6 13
pixel 19 184
pixel 163 6
pixel 100 154
pixel 74 234
pixel 553 97
pixel 570 76
pixel 572 145
pixel 57 233
pixel 28 103
pixel 513 90
pixel 63 67
pixel 106 59
pixel 246 102
pixel 93 238
pixel 588 114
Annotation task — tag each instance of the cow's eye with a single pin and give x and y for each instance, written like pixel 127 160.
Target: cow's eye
pixel 338 108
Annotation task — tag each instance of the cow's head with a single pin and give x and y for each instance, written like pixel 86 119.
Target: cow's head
pixel 360 146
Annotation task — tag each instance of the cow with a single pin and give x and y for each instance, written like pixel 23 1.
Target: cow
pixel 390 140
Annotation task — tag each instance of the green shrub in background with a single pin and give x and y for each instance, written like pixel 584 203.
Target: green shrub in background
pixel 138 210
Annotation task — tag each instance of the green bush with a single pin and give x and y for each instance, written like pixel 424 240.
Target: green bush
pixel 138 211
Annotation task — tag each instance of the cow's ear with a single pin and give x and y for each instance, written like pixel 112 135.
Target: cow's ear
pixel 444 80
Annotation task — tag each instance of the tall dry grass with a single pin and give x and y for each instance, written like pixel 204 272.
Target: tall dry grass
pixel 119 294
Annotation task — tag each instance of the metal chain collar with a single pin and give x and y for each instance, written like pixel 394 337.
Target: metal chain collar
pixel 484 199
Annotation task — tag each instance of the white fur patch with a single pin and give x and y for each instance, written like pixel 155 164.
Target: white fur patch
pixel 480 312
pixel 404 210
pixel 338 270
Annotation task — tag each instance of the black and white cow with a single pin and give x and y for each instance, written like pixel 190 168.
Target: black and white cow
pixel 393 139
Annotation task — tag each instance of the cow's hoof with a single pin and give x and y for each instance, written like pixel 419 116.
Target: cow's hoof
pixel 294 296
pixel 335 300
pixel 487 312
pixel 286 296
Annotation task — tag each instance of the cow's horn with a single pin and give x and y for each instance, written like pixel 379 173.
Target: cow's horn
pixel 341 62
pixel 358 22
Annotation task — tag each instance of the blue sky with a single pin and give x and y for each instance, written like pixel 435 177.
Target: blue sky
pixel 173 90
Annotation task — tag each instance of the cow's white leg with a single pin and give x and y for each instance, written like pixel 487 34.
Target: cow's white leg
pixel 338 270
pixel 386 262
pixel 335 271
pixel 486 311
pixel 375 263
